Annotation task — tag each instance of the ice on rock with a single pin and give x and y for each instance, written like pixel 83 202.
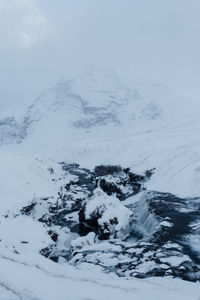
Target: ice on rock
pixel 175 260
pixel 166 224
pixel 83 241
pixel 113 219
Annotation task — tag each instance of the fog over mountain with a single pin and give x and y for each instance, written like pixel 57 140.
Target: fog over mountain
pixel 150 41
pixel 99 150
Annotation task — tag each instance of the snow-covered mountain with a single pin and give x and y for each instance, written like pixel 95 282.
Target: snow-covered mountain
pixel 130 209
pixel 94 119
pixel 91 106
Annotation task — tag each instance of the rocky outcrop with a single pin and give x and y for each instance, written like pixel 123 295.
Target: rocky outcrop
pixel 107 215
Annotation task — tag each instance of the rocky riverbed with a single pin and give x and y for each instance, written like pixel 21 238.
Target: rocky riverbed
pixel 105 217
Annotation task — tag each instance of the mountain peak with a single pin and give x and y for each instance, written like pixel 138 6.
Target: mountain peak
pixel 94 105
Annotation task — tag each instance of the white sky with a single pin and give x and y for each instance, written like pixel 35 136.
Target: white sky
pixel 42 41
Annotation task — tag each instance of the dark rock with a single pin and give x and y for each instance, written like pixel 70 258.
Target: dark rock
pixel 28 209
pixel 104 170
pixel 110 188
pixel 46 251
pixel 53 235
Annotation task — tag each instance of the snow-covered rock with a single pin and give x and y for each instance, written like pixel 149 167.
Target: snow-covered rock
pixel 108 214
pixel 83 241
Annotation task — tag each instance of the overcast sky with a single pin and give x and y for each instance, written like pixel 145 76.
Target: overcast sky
pixel 42 41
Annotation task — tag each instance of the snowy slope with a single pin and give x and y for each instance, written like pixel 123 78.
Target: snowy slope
pixel 95 118
pixel 91 106
pixel 173 151
pixel 36 278
pixel 24 177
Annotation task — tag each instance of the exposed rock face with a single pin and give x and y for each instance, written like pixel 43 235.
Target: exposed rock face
pixel 107 218
pixel 13 131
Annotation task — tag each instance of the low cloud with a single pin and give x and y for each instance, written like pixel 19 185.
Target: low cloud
pixel 22 24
